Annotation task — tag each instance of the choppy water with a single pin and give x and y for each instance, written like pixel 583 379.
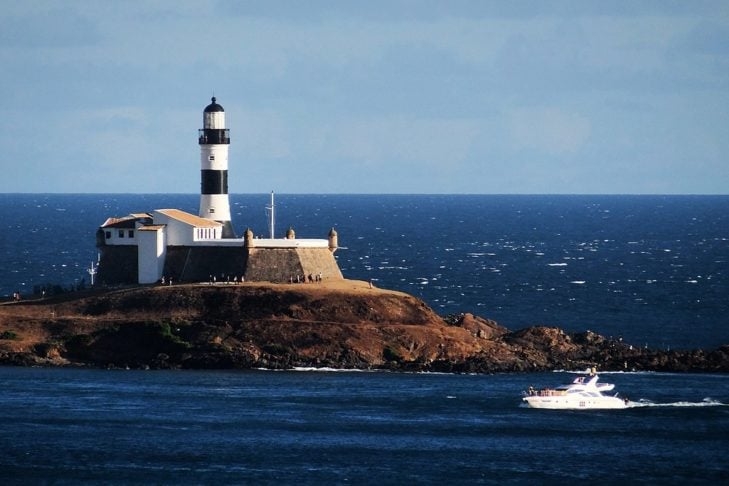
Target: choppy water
pixel 653 269
pixel 63 426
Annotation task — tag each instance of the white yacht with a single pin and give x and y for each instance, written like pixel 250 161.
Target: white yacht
pixel 584 393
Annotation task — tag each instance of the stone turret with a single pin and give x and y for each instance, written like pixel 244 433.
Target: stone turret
pixel 249 238
pixel 333 240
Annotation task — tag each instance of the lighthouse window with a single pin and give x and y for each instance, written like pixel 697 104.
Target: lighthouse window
pixel 212 210
pixel 212 157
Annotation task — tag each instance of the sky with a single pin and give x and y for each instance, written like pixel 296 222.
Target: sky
pixel 338 96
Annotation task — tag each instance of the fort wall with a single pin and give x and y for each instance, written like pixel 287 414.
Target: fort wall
pixel 286 264
pixel 119 264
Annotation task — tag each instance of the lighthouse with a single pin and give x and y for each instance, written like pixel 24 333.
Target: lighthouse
pixel 214 139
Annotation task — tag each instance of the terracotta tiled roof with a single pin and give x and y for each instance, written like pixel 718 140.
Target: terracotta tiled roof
pixel 190 219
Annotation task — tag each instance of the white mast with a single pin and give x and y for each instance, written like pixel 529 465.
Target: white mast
pixel 92 271
pixel 271 216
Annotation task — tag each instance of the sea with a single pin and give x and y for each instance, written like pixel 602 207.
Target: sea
pixel 80 426
pixel 651 270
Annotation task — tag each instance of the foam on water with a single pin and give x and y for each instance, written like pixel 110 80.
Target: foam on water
pixel 706 402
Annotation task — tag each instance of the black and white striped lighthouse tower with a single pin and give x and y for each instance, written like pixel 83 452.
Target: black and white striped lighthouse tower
pixel 214 139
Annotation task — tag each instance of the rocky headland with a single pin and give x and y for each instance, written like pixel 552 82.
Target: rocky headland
pixel 339 324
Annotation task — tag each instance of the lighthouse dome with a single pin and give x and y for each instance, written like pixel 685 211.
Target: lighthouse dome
pixel 213 107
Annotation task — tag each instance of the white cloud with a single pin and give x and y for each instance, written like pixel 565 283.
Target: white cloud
pixel 379 141
pixel 548 129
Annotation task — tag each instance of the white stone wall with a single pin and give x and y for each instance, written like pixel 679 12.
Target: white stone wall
pixel 151 254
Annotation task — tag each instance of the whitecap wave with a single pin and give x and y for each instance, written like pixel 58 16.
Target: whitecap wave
pixel 326 369
pixel 706 402
pixel 605 372
pixel 323 369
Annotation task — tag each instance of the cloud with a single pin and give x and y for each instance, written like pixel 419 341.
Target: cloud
pixel 54 28
pixel 426 144
pixel 363 140
pixel 548 129
pixel 710 38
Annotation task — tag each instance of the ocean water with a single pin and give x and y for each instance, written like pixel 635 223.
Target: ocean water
pixel 651 269
pixel 72 426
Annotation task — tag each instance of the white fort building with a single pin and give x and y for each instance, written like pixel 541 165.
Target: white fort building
pixel 172 244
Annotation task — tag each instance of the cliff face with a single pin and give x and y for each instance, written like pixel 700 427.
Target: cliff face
pixel 343 324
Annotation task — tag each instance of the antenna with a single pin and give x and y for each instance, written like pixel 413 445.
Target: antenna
pixel 92 271
pixel 271 212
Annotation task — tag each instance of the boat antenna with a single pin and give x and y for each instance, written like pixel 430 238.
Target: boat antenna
pixel 271 211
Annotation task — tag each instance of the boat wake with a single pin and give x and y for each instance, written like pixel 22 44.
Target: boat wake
pixel 706 402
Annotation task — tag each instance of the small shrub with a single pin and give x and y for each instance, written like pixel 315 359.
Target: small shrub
pixel 391 355
pixel 275 349
pixel 9 335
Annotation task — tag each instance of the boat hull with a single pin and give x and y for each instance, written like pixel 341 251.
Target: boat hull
pixel 575 403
